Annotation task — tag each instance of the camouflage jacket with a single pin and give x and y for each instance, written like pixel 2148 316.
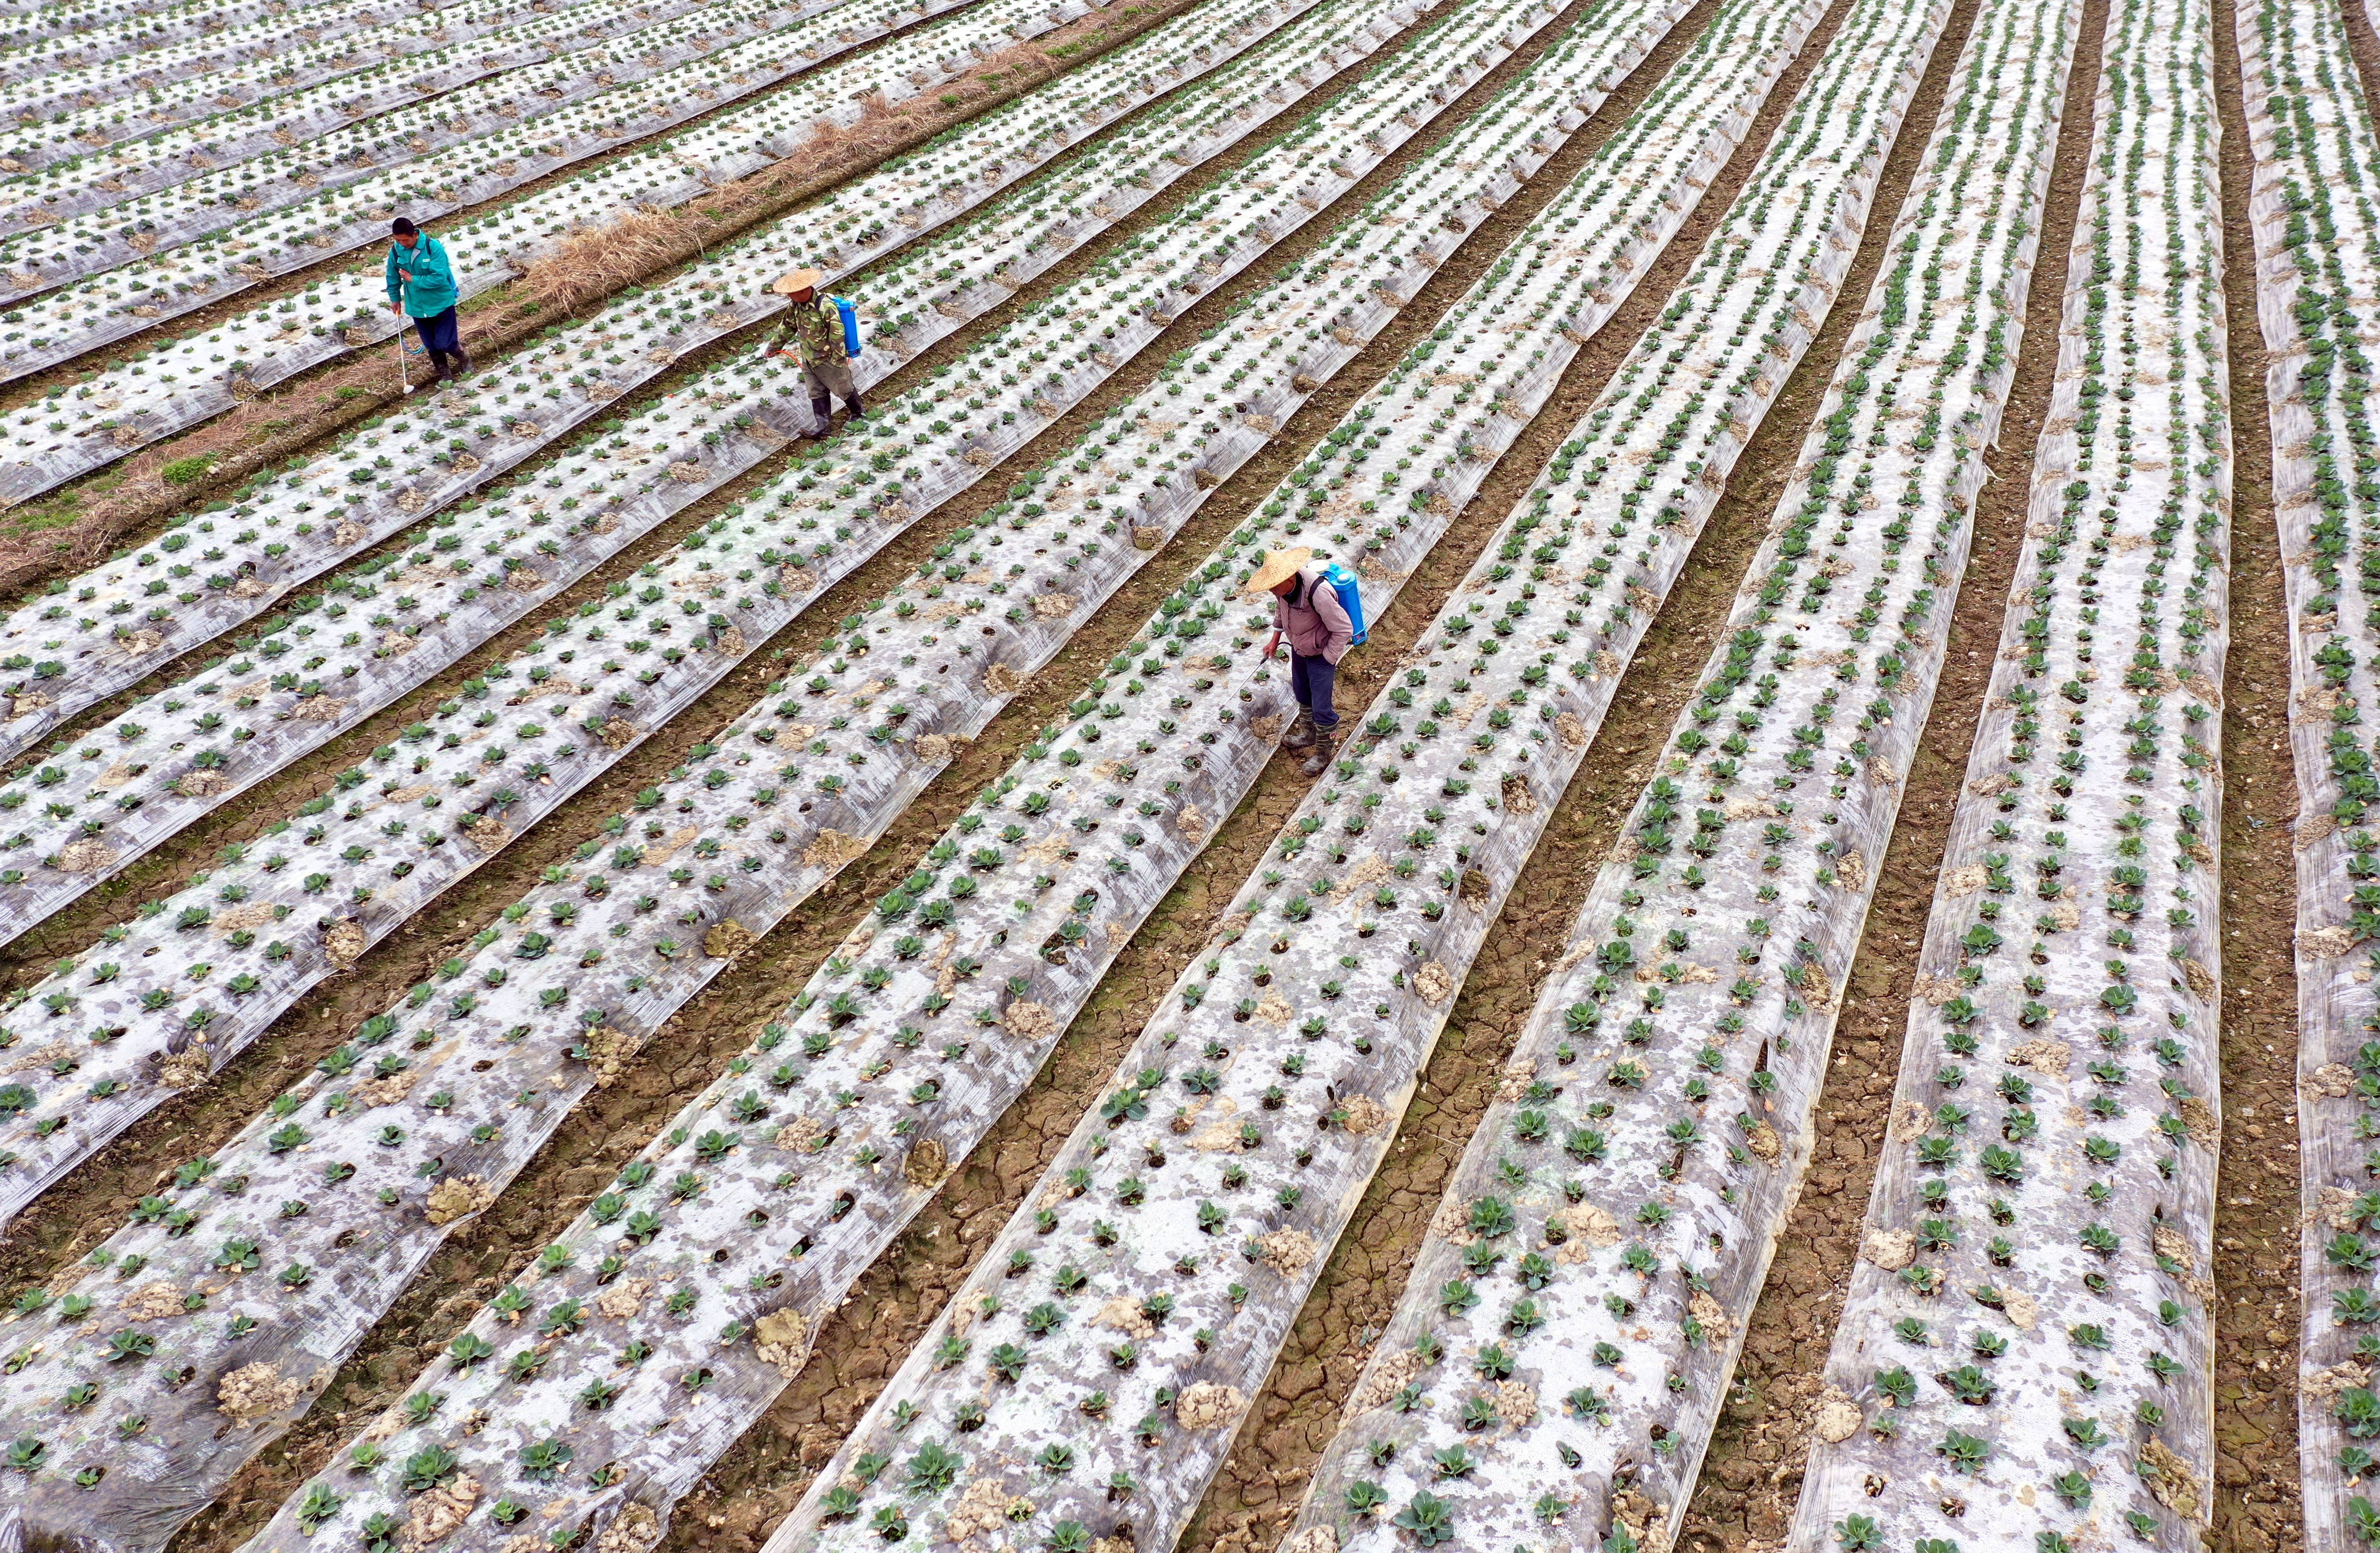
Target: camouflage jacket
pixel 815 327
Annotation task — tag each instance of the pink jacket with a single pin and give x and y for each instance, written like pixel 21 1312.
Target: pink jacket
pixel 1316 624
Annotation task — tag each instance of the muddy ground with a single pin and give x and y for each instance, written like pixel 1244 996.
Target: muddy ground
pixel 2256 1206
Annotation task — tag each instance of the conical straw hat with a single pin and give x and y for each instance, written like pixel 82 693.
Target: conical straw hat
pixel 1279 567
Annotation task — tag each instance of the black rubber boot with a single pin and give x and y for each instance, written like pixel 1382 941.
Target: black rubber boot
pixel 1317 755
pixel 819 424
pixel 438 364
pixel 462 365
pixel 858 411
pixel 1301 731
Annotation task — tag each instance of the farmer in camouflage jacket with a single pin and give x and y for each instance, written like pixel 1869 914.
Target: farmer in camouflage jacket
pixel 813 334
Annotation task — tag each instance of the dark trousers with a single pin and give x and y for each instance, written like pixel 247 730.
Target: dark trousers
pixel 439 334
pixel 1310 680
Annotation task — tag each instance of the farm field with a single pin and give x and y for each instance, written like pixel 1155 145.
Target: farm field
pixel 591 959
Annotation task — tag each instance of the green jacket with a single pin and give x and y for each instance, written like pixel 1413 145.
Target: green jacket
pixel 815 326
pixel 430 290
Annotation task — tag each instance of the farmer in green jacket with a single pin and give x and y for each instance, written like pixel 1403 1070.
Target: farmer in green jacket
pixel 421 286
pixel 813 335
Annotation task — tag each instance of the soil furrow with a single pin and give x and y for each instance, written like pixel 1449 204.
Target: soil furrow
pixel 2256 1307
pixel 584 1154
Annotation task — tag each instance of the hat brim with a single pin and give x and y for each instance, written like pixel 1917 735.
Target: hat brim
pixel 798 280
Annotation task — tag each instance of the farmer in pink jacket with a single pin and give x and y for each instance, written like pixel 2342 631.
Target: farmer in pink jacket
pixel 1307 612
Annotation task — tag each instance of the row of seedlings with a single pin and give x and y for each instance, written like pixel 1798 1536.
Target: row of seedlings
pixel 310 201
pixel 495 1024
pixel 2317 242
pixel 86 819
pixel 1567 1331
pixel 78 813
pixel 1003 949
pixel 56 75
pixel 184 382
pixel 1088 1378
pixel 24 21
pixel 181 183
pixel 290 89
pixel 92 159
pixel 2024 1355
pixel 362 871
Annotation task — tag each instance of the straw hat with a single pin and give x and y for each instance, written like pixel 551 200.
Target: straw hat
pixel 1279 567
pixel 797 279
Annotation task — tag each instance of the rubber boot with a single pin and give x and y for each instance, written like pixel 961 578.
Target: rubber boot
pixel 1317 755
pixel 462 365
pixel 438 363
pixel 819 423
pixel 1301 730
pixel 858 411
